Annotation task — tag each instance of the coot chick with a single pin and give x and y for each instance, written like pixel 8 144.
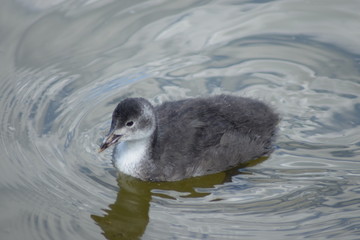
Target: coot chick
pixel 190 137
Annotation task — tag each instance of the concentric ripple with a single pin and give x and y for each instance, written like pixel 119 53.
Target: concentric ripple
pixel 58 93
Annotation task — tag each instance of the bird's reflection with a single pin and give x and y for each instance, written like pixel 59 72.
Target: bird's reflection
pixel 128 217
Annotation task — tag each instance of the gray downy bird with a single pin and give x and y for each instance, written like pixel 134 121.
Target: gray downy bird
pixel 190 137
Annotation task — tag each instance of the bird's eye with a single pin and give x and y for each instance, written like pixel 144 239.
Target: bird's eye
pixel 130 123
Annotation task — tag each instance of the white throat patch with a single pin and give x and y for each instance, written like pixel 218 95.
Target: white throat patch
pixel 129 154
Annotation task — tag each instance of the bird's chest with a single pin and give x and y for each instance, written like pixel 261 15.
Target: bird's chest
pixel 129 157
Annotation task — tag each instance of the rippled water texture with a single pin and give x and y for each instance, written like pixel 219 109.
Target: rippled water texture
pixel 65 64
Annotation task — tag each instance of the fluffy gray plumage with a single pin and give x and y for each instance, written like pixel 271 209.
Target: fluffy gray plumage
pixel 193 137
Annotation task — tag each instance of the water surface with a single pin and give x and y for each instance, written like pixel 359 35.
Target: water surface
pixel 64 65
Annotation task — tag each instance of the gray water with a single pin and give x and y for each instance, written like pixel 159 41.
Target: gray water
pixel 65 64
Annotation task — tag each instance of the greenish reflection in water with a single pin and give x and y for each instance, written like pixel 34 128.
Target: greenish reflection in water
pixel 128 216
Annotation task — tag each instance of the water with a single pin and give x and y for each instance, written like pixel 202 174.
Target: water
pixel 65 64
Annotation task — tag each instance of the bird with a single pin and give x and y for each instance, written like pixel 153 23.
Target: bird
pixel 189 137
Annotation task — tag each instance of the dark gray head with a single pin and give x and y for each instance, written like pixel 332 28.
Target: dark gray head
pixel 132 119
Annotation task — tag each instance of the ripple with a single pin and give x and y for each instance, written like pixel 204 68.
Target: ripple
pixel 257 210
pixel 39 126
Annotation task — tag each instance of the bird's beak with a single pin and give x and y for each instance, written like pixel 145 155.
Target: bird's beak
pixel 110 139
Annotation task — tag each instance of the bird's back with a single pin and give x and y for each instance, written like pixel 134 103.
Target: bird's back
pixel 207 135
